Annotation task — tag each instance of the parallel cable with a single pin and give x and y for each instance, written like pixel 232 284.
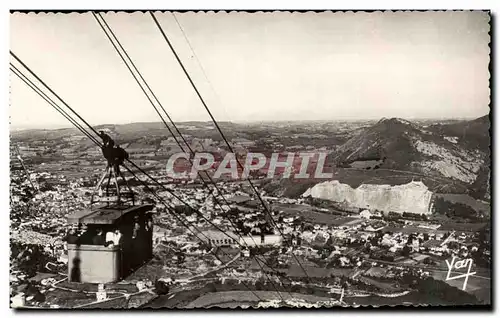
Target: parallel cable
pixel 197 59
pixel 172 212
pixel 222 134
pixel 58 108
pixel 122 56
pixel 37 90
pixel 52 103
pixel 203 217
pixel 138 82
pixel 28 175
pixel 125 54
pixel 50 90
pixel 167 206
pixel 105 25
pixel 159 103
pixel 211 86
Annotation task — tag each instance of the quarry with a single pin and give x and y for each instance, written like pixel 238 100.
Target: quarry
pixel 413 197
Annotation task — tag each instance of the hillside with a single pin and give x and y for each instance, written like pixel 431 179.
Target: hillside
pixel 472 134
pixel 402 145
pixel 124 133
pixel 388 140
pixel 448 156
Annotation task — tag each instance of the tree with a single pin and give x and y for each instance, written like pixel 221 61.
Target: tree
pixel 483 238
pixel 46 187
pixel 329 242
pixel 259 285
pixel 454 210
pixel 161 288
pixel 411 237
pixel 439 291
pixel 406 251
pixel 180 257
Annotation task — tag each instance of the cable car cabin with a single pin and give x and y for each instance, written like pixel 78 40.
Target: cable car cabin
pixel 112 241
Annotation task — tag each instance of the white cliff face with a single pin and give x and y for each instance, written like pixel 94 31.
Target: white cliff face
pixel 459 165
pixel 453 140
pixel 412 197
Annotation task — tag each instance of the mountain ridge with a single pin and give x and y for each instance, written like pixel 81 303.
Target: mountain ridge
pixel 404 145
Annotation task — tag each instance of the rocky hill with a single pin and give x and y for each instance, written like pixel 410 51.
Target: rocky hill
pixel 436 150
pixel 473 135
pixel 448 156
pixel 470 134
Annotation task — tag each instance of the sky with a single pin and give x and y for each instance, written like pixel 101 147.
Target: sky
pixel 256 66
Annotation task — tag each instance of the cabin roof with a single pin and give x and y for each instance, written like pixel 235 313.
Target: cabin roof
pixel 106 214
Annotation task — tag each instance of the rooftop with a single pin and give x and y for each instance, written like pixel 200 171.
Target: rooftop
pixel 239 199
pixel 432 243
pixel 106 214
pixel 217 235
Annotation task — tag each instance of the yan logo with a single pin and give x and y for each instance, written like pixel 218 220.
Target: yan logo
pixel 457 265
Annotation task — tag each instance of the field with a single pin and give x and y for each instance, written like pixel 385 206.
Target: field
pixel 364 164
pixel 412 298
pixel 376 272
pixel 444 228
pixel 412 229
pixel 463 227
pixel 296 271
pixel 477 205
pixel 479 286
pixel 66 299
pixel 381 285
pixel 238 298
pixel 309 215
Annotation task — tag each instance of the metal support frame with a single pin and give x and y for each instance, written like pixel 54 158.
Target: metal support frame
pixel 112 173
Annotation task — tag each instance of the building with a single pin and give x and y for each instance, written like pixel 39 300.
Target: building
pixel 365 214
pixel 217 238
pixel 430 226
pixel 238 199
pixel 243 142
pixel 267 239
pixel 90 262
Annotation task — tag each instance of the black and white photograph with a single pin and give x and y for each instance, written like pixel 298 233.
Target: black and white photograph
pixel 265 159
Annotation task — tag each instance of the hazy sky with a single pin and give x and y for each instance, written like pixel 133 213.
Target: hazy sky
pixel 262 66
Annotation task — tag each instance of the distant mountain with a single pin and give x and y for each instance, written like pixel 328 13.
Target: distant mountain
pixel 126 133
pixel 436 150
pixel 472 134
pixel 388 140
pixel 456 152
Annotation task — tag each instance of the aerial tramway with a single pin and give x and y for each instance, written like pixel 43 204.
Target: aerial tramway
pixel 114 212
pixel 123 229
